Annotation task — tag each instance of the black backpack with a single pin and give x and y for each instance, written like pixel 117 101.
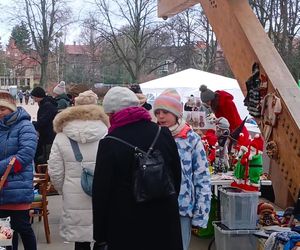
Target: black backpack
pixel 151 177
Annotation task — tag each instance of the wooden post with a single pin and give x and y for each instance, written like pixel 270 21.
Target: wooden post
pixel 244 42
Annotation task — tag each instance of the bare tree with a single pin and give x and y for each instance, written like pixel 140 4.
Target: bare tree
pixel 45 18
pixel 131 35
pixel 92 40
pixel 281 20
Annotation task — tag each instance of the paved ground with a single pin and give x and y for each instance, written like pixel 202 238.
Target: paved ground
pixel 57 243
pixel 54 206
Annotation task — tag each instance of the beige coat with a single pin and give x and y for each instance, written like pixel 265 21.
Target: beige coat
pixel 86 124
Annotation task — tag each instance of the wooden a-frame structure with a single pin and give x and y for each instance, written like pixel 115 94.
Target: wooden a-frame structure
pixel 245 42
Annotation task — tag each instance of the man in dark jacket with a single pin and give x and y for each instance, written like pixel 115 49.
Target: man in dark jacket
pixel 148 225
pixel 45 115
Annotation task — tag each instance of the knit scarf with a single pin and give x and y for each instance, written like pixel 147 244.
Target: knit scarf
pixel 180 129
pixel 127 116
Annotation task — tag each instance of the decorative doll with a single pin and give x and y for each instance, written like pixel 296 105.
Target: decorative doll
pixel 210 141
pixel 242 149
pixel 255 160
pixel 267 214
pixel 222 132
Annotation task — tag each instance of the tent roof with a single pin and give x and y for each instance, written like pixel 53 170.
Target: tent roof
pixel 188 81
pixel 192 78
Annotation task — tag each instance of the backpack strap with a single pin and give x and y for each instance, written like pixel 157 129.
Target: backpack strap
pixel 134 147
pixel 154 141
pixel 76 150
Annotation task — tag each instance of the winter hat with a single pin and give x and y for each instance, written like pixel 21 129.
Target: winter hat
pixel 169 100
pixel 211 137
pixel 135 88
pixel 86 98
pixel 265 207
pixel 242 142
pixel 258 143
pixel 118 98
pixel 222 123
pixel 206 94
pixel 60 88
pixel 38 92
pixel 6 100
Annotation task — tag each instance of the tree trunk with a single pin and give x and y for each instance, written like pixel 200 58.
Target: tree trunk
pixel 44 76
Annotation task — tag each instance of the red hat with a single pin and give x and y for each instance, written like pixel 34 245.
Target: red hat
pixel 211 137
pixel 258 143
pixel 242 142
pixel 265 207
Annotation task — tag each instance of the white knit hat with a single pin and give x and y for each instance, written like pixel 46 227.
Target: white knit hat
pixel 60 88
pixel 6 100
pixel 86 98
pixel 118 98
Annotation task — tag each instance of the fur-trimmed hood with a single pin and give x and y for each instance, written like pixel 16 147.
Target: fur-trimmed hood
pixel 83 123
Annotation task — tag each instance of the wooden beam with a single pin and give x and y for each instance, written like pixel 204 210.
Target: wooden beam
pixel 168 8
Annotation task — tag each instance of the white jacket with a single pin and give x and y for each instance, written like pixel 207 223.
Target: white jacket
pixel 86 124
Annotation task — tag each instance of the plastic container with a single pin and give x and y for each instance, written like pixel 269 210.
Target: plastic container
pixel 238 208
pixel 227 239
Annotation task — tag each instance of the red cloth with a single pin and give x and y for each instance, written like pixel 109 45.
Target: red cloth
pixel 21 206
pixel 226 108
pixel 183 132
pixel 17 166
pixel 127 116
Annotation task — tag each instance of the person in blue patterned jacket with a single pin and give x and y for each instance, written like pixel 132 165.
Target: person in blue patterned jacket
pixel 17 138
pixel 195 192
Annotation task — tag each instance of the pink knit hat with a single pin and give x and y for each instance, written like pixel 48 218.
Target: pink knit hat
pixel 169 100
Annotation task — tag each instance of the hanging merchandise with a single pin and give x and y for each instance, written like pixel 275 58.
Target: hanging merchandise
pixel 252 99
pixel 271 108
pixel 263 85
pixel 272 149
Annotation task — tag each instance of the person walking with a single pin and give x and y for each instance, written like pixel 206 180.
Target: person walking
pixel 17 139
pixel 195 192
pixel 27 96
pixel 20 96
pixel 150 225
pixel 85 123
pixel 43 125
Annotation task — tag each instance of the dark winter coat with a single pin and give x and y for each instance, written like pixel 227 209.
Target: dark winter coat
pixel 117 219
pixel 17 138
pixel 62 101
pixel 45 115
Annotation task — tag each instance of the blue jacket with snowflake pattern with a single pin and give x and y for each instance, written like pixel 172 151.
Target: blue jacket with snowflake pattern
pixel 195 192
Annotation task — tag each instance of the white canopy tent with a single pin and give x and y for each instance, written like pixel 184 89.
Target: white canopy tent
pixel 188 81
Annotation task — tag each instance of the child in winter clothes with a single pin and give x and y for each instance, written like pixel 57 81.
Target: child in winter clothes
pixel 195 191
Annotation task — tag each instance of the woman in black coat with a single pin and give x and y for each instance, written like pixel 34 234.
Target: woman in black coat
pixel 118 220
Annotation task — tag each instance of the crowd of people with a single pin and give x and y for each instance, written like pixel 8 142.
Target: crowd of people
pixel 162 223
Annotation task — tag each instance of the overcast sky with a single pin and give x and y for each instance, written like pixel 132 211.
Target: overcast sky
pixel 78 6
